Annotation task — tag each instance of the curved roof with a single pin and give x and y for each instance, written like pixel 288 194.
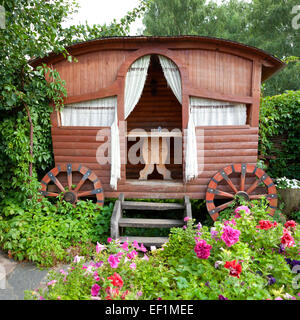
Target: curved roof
pixel 271 64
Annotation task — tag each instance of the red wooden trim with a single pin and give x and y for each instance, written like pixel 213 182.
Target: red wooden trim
pixel 112 90
pixel 207 94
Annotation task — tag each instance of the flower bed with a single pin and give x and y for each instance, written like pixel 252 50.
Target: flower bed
pixel 245 255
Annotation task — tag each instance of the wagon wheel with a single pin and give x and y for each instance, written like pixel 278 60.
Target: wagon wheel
pixel 71 194
pixel 242 169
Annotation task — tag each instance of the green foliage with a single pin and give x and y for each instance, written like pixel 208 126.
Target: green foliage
pixel 266 24
pixel 45 234
pixel 174 272
pixel 280 118
pixel 33 30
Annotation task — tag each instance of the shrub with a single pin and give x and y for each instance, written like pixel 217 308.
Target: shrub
pixel 245 255
pixel 279 134
pixel 47 233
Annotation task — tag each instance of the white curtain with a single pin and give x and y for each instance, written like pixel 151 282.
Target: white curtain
pixel 93 113
pixel 208 112
pixel 172 76
pixel 115 157
pixel 191 161
pixel 134 83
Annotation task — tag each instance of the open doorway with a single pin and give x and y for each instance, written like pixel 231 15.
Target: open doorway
pixel 158 108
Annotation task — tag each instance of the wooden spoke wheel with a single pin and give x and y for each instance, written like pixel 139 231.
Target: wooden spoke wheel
pixel 70 192
pixel 244 172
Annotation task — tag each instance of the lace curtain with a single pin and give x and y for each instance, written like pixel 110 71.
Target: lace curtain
pixel 94 113
pixel 134 83
pixel 217 113
pixel 172 76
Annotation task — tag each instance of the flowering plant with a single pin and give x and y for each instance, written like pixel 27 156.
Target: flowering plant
pixel 285 183
pixel 247 257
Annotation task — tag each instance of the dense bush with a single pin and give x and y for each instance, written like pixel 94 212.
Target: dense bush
pixel 47 233
pixel 279 134
pixel 247 256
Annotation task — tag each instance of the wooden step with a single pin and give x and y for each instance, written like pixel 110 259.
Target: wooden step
pixel 150 223
pixel 133 205
pixel 146 241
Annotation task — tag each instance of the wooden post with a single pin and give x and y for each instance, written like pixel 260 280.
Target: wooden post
pixel 187 207
pixel 114 222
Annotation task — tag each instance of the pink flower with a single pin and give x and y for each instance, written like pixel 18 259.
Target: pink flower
pixel 239 209
pixel 119 254
pixel 50 283
pixel 142 248
pixel 95 289
pixel 132 254
pixel 77 259
pixel 230 236
pixel 135 244
pixel 202 249
pixel 62 271
pixel 96 276
pixel 132 266
pixel 184 227
pixel 99 247
pixel 109 240
pixel 125 246
pixel 186 219
pixel 113 261
pixel 227 222
pixel 145 257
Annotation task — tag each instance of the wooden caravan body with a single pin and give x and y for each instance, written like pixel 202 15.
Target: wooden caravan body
pixel 210 68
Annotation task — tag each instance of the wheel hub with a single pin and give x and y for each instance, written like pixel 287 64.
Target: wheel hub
pixel 243 194
pixel 70 196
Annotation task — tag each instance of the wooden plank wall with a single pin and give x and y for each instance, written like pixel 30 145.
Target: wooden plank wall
pixel 217 71
pixel 221 148
pixel 92 72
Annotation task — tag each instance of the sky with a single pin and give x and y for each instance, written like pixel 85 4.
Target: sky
pixel 104 11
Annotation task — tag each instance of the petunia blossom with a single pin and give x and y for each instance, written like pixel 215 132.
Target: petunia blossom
pixel 95 289
pixel 132 266
pixel 99 247
pixel 235 268
pixel 202 249
pixel 113 261
pixel 240 209
pixel 116 280
pixel 230 236
pixel 287 239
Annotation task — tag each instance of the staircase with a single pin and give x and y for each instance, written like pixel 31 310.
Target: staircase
pixel 118 222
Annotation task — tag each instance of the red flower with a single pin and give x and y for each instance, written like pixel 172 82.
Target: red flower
pixel 111 293
pixel 287 239
pixel 290 224
pixel 116 280
pixel 125 293
pixel 234 267
pixel 266 224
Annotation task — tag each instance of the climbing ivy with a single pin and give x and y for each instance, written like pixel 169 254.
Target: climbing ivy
pixel 279 134
pixel 33 29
